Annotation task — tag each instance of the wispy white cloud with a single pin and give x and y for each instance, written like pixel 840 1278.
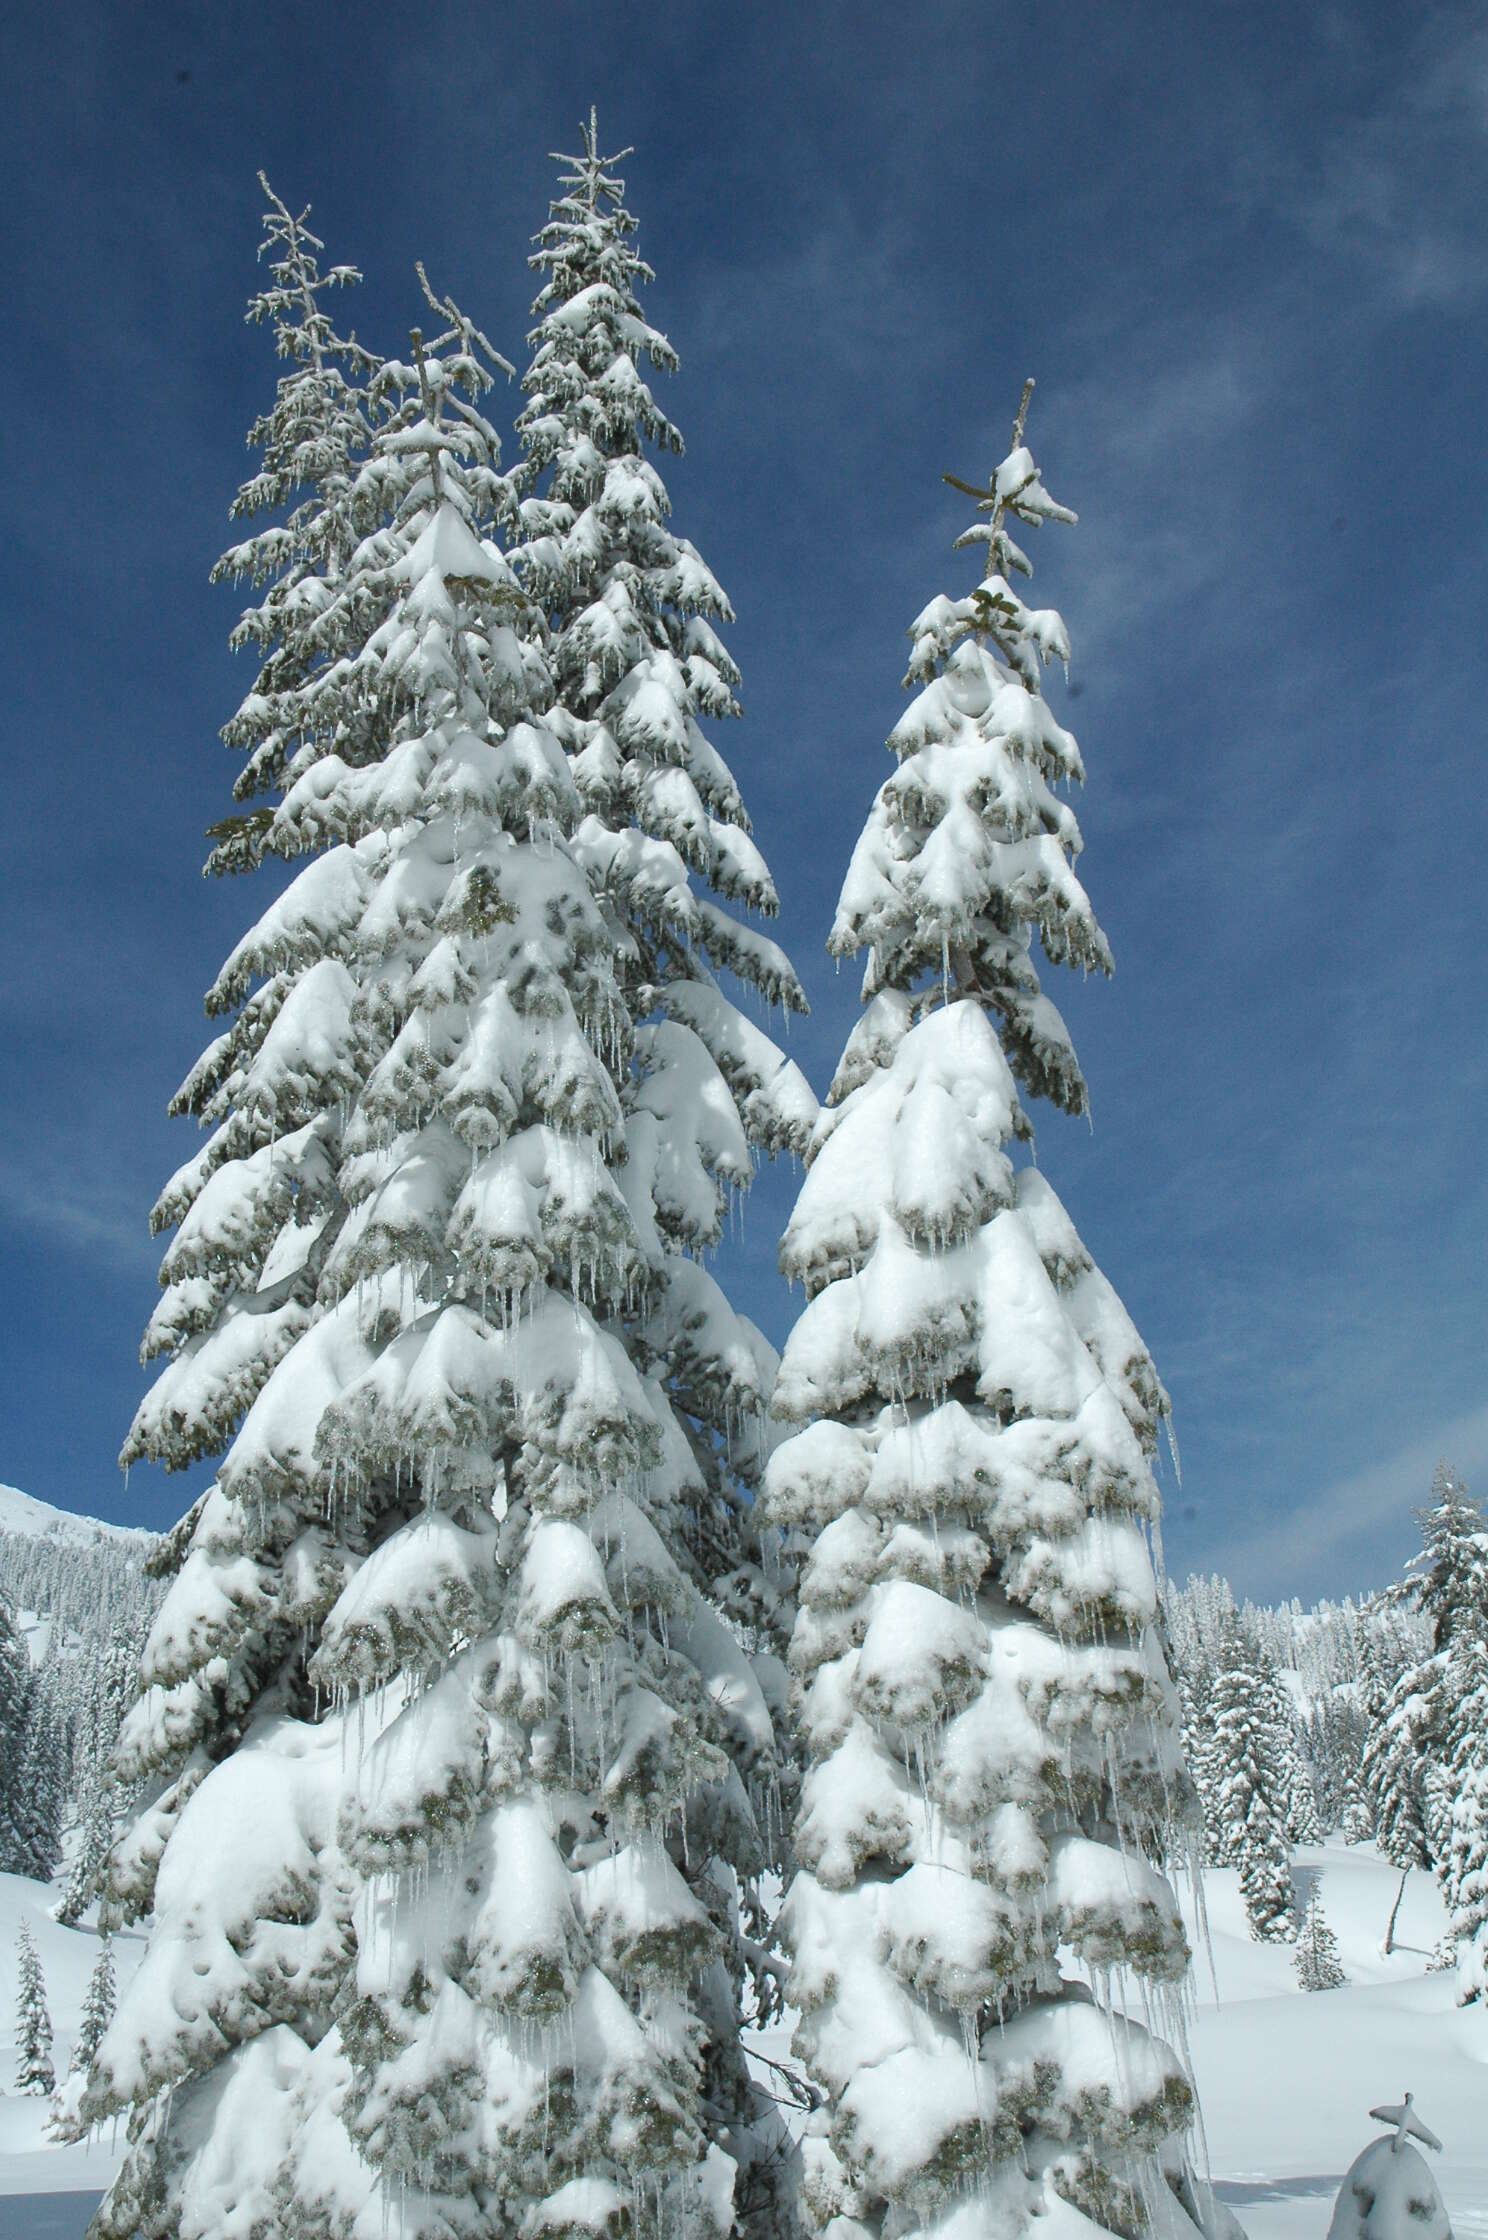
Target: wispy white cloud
pixel 1396 190
pixel 1341 1530
pixel 89 1212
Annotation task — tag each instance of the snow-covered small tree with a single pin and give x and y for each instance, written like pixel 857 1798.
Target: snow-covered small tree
pixel 1317 1959
pixel 1252 1807
pixel 1389 2193
pixel 992 1729
pixel 34 2073
pixel 98 2008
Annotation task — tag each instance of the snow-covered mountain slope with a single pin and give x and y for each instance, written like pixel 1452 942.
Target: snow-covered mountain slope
pixel 23 1513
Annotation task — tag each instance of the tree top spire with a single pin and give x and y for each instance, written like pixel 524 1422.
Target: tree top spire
pixel 590 172
pixel 1405 2124
pixel 1014 487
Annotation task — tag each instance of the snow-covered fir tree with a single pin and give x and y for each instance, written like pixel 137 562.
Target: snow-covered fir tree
pixel 1357 1822
pixel 254 1215
pixel 310 443
pixel 638 666
pixel 1421 1744
pixel 33 2029
pixel 1288 1777
pixel 457 1772
pixel 1252 1797
pixel 98 2008
pixel 95 1840
pixel 40 1796
pixel 1303 1823
pixel 993 1732
pixel 1317 1959
pixel 15 1678
pixel 1195 1689
pixel 1465 1875
pixel 1392 1769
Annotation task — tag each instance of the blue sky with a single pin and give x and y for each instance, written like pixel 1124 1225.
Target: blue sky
pixel 1241 247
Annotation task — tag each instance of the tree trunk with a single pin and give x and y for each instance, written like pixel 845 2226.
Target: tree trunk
pixel 1389 1943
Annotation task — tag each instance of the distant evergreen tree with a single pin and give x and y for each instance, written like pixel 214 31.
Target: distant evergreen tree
pixel 1333 1746
pixel 1252 1807
pixel 40 1798
pixel 1303 1823
pixel 1466 1879
pixel 1418 1734
pixel 15 1687
pixel 34 2072
pixel 1287 1782
pixel 98 2009
pixel 95 1842
pixel 1318 1961
pixel 1393 1768
pixel 1357 1822
pixel 1195 1690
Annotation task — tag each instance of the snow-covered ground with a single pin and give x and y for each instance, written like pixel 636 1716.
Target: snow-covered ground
pixel 29 2161
pixel 1286 2078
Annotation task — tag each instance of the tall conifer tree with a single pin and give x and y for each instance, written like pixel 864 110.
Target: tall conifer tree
pixel 996 1768
pixel 255 1215
pixel 497 1755
pixel 1252 1790
pixel 638 668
